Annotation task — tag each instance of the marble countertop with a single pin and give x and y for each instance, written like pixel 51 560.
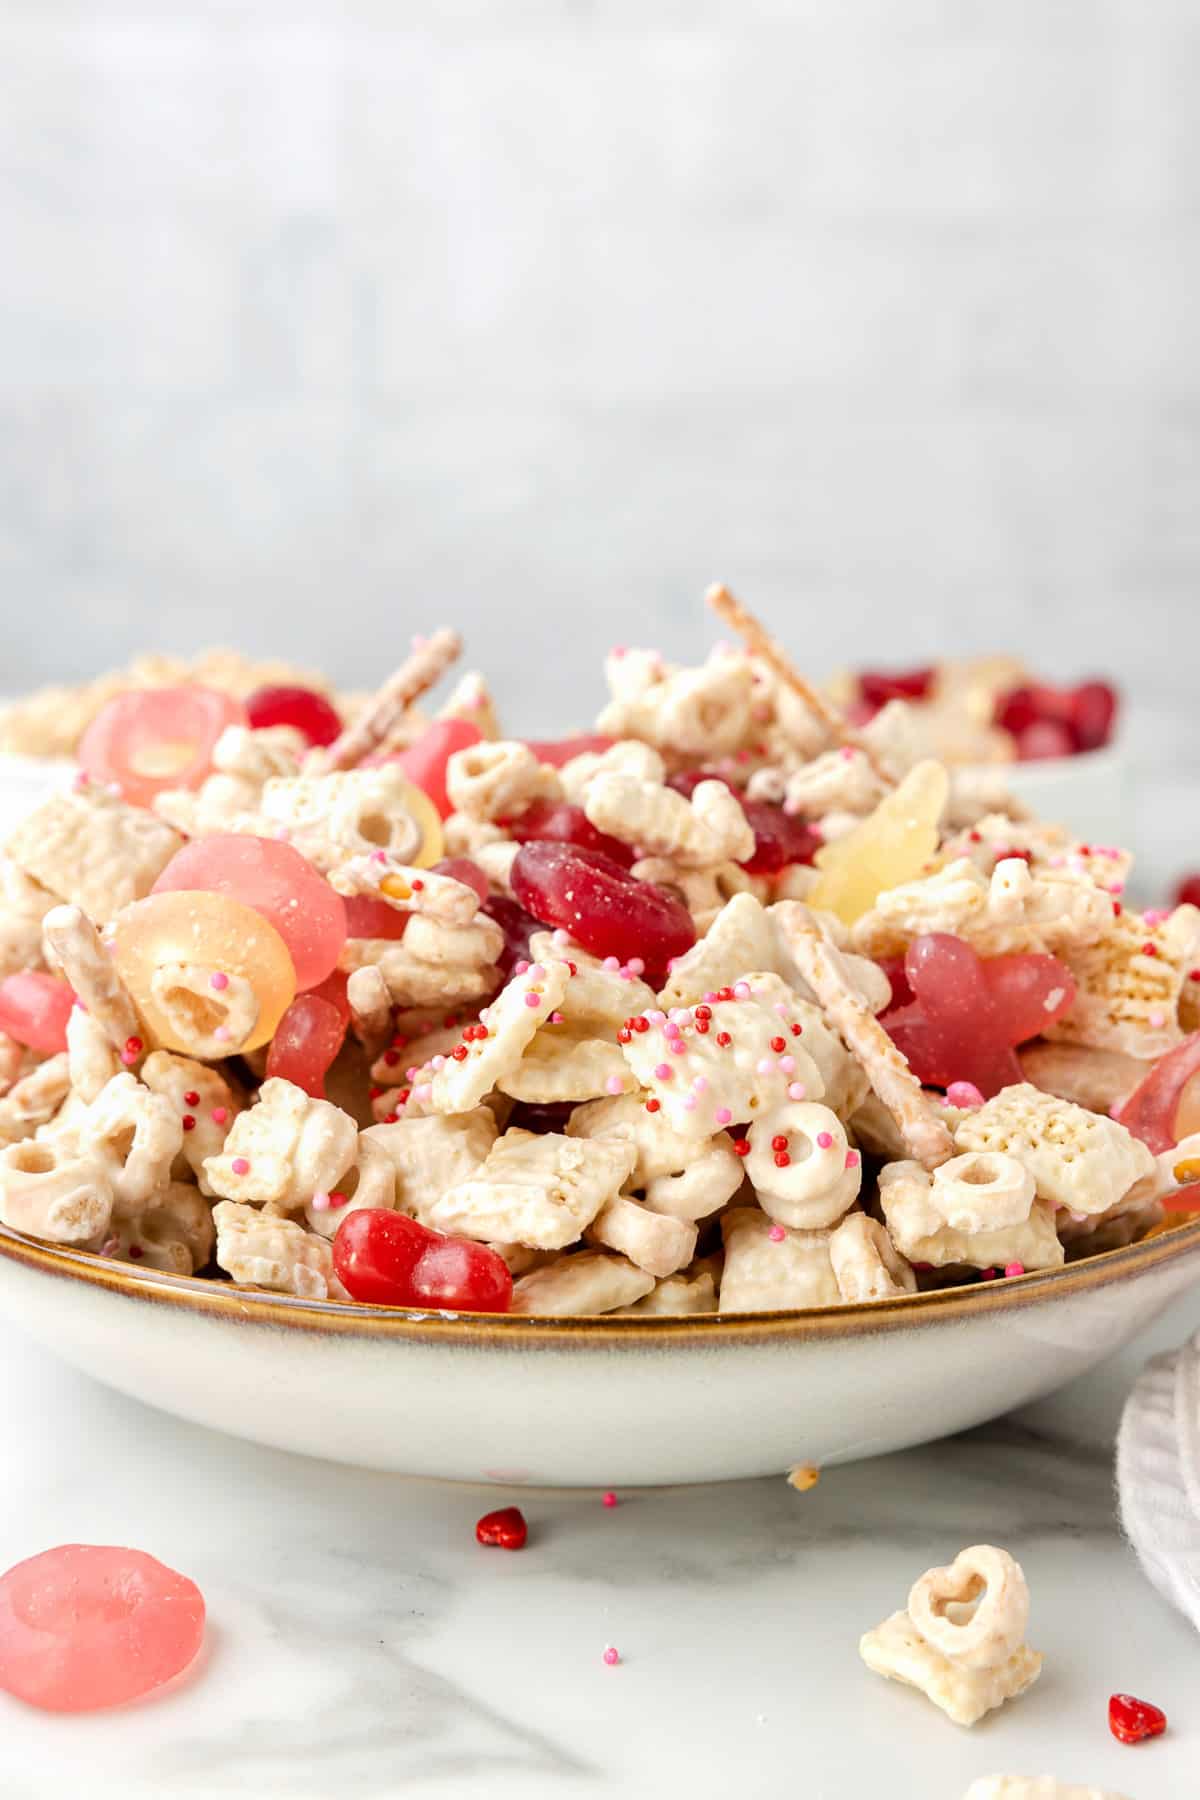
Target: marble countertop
pixel 363 1646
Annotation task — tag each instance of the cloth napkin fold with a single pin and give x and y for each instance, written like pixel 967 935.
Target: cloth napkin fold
pixel 1158 1475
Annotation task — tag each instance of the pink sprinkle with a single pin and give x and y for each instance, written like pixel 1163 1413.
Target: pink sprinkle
pixel 678 1047
pixel 764 1065
pixel 656 1016
pixel 320 1202
pixel 533 999
pixel 411 1074
pixel 1158 1020
pixel 1116 887
pixel 521 968
pixel 240 1166
pixel 964 1093
pixel 282 835
pixel 679 1015
pixel 852 1159
pixel 557 1018
pixel 130 1056
pixel 379 856
pixel 671 962
pixel 781 1009
pixel 689 1103
pixel 723 1115
pixel 664 1071
pixel 988 1274
pixel 219 1114
pixel 700 1083
pixel 777 1234
pixel 626 974
pixel 824 1141
pixel 797 1091
pixel 787 1064
pixel 611 962
pixel 637 965
pixel 847 753
pixel 437 1063
pixel 1014 1268
pixel 1155 916
pixel 619 650
pixel 610 1499
pixel 561 939
pixel 614 1085
pixel 537 972
pixel 709 998
pixel 220 981
pixel 222 1034
pixel 336 1200
pixel 423 1094
pixel 742 990
pixel 611 1655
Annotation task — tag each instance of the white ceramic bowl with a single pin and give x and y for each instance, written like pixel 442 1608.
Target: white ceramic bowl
pixel 1087 793
pixel 595 1402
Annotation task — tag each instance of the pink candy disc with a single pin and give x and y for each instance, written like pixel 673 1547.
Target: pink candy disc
pixel 86 1625
pixel 151 739
pixel 306 1041
pixel 34 1009
pixel 277 882
pixel 424 762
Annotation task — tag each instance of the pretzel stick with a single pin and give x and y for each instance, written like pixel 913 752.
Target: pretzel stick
pixel 75 942
pixel 370 1009
pixel 761 644
pixel 925 1135
pixel 382 714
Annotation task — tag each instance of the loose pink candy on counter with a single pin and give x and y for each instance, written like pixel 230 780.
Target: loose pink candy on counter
pixel 277 882
pixel 89 1625
pixel 151 739
pixel 34 1009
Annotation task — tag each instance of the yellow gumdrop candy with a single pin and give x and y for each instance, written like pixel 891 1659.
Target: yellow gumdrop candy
pixel 895 843
pixel 424 814
pixel 209 976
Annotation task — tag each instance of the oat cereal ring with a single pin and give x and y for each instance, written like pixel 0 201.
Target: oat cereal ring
pixel 801 1166
pixel 430 659
pixel 204 1102
pixel 176 1236
pixel 54 1193
pixel 628 756
pixel 490 781
pixel 986 1585
pixel 650 1240
pixel 92 974
pixel 137 1135
pixel 370 1182
pixel 982 1191
pixel 210 1022
pixel 867 1264
pixel 897 1650
pixel 709 1179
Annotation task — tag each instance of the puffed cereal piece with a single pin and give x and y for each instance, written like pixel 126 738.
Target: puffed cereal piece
pixel 406 889
pixel 712 1176
pixel 511 1021
pixel 920 1233
pixel 370 1008
pixel 465 836
pixel 989 1585
pixel 490 781
pixel 1078 1159
pixel 176 1236
pixel 1034 1787
pixel 536 1190
pixel 35 1099
pixel 566 1062
pixel 982 1190
pixel 283 1149
pixel 815 1180
pixel 57 1194
pixel 496 860
pixel 244 760
pixel 23 906
pixel 262 1250
pixel 137 1135
pixel 628 756
pixel 741 937
pixel 765 1272
pixel 866 1263
pixel 1130 985
pixel 679 1296
pixel 598 994
pixel 92 1059
pixel 471 699
pixel 836 781
pixel 653 1241
pixel 694 833
pixel 1015 911
pixel 200 1093
pixel 658 1149
pixel 93 851
pixel 332 818
pixel 432 1155
pixel 702 712
pixel 590 1281
pixel 410 980
pixel 897 1650
pixel 370 1183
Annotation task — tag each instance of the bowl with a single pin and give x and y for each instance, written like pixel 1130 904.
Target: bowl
pixel 591 1401
pixel 1087 793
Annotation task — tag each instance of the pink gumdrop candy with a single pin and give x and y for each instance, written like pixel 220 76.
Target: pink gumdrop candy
pixel 87 1625
pixel 424 762
pixel 34 1009
pixel 151 739
pixel 277 882
pixel 306 1041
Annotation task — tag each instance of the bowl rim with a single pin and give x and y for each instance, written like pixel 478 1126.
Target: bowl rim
pixel 1175 1239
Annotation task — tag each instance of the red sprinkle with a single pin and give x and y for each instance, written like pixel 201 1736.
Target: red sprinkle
pixel 191 1099
pixel 1149 949
pixel 742 1146
pixel 778 1044
pixel 505 1529
pixel 1131 1720
pixel 133 1046
pixel 796 1030
pixel 610 1499
pixel 782 1159
pixel 724 1039
pixel 779 1142
pixel 653 1105
pixel 188 1122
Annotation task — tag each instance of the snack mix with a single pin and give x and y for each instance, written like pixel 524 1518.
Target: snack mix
pixel 728 1005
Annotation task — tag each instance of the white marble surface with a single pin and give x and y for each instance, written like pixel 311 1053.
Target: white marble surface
pixel 363 1647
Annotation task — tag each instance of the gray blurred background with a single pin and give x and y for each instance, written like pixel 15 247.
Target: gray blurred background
pixel 322 323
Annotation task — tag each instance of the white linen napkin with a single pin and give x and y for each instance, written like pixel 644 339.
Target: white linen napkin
pixel 1158 1475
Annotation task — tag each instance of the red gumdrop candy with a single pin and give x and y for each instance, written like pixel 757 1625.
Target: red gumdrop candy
pixel 779 838
pixel 555 821
pixel 87 1625
pixel 605 909
pixel 1093 709
pixel 1187 892
pixel 1150 1111
pixel 461 868
pixel 1131 1721
pixel 967 1015
pixel 306 711
pixel 34 1009
pixel 149 739
pixel 424 762
pixel 333 989
pixel 557 751
pixel 518 927
pixel 277 882
pixel 388 1259
pixel 306 1042
pixel 878 687
pixel 367 917
pixel 1044 740
pixel 504 1529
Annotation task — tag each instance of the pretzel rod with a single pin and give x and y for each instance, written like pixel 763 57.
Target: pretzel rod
pixel 760 643
pixel 75 942
pixel 925 1135
pixel 370 1009
pixel 382 714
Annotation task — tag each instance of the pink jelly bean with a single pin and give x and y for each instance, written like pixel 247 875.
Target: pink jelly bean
pixel 151 739
pixel 277 882
pixel 86 1625
pixel 34 1009
pixel 424 762
pixel 306 1041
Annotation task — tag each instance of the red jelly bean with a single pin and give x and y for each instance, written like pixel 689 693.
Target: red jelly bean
pixel 779 839
pixel 277 882
pixel 1150 1112
pixel 306 711
pixel 558 751
pixel 425 761
pixel 461 868
pixel 306 1042
pixel 877 687
pixel 34 1009
pixel 150 739
pixel 86 1626
pixel 389 1259
pixel 557 822
pixel 505 1529
pixel 604 908
pixel 1131 1720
